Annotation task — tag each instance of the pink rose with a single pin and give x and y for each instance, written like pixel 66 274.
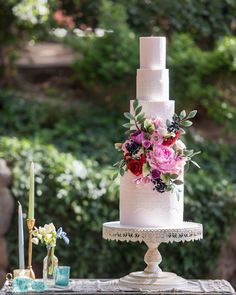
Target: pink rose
pixel 165 160
pixel 156 138
pixel 159 123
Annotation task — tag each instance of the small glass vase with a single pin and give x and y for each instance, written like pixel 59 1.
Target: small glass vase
pixel 49 264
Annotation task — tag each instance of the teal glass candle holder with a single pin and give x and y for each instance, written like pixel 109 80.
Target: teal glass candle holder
pixel 62 276
pixel 22 284
pixel 38 286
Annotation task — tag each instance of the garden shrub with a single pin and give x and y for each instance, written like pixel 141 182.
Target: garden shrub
pixel 206 21
pixel 107 64
pixel 197 77
pixel 81 129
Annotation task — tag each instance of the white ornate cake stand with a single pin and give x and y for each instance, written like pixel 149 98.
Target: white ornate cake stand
pixel 152 277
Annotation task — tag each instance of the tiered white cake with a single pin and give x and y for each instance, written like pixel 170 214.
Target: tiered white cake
pixel 142 206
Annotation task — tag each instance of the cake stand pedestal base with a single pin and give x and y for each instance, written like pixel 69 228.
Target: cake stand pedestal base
pixel 152 278
pixel 151 281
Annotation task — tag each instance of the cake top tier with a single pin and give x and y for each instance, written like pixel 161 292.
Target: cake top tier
pixel 152 52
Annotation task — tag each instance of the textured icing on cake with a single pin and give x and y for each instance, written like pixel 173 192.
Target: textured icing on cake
pixel 152 85
pixel 153 109
pixel 141 206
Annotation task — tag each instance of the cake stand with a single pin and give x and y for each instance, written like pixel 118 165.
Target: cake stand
pixel 152 277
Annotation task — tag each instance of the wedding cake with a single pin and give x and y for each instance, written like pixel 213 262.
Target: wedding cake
pixel 153 156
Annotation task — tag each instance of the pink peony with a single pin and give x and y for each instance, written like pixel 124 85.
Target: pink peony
pixel 165 160
pixel 138 136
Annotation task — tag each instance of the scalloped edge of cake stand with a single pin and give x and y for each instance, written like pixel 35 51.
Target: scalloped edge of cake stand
pixel 142 280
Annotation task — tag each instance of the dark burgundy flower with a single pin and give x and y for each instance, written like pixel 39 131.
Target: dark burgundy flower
pixel 155 174
pixel 142 159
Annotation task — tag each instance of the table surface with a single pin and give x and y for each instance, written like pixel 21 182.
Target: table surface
pixel 107 287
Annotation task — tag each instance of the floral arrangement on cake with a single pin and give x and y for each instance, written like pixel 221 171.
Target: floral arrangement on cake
pixel 153 152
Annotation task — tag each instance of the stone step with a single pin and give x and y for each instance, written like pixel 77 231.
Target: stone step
pixel 45 55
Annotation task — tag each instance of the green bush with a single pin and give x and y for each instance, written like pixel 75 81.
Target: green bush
pixel 206 21
pixel 198 78
pixel 107 64
pixel 204 78
pixel 82 129
pixel 74 189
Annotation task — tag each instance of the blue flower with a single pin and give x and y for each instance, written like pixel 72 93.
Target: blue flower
pixel 62 235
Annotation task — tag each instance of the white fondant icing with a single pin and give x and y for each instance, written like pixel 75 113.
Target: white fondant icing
pixel 152 52
pixel 143 207
pixel 153 109
pixel 152 84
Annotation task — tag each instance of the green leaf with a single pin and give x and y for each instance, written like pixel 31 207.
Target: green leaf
pixel 115 175
pixel 165 177
pixel 127 125
pixel 186 123
pixel 141 118
pixel 174 176
pixel 182 131
pixel 195 163
pixel 138 110
pixel 196 153
pixel 122 171
pixel 178 182
pixel 169 188
pixel 168 122
pixel 182 115
pixel 176 118
pixel 192 114
pixel 178 195
pixel 188 153
pixel 146 169
pixel 129 131
pixel 135 104
pixel 122 163
pixel 129 116
pixel 116 164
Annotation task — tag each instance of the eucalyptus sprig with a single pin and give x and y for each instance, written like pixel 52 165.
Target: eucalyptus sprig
pixel 136 120
pixel 181 121
pixel 189 154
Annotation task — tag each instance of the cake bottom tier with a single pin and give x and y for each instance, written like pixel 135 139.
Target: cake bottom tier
pixel 141 206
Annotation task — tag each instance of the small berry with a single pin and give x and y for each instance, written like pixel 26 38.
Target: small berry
pixel 133 147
